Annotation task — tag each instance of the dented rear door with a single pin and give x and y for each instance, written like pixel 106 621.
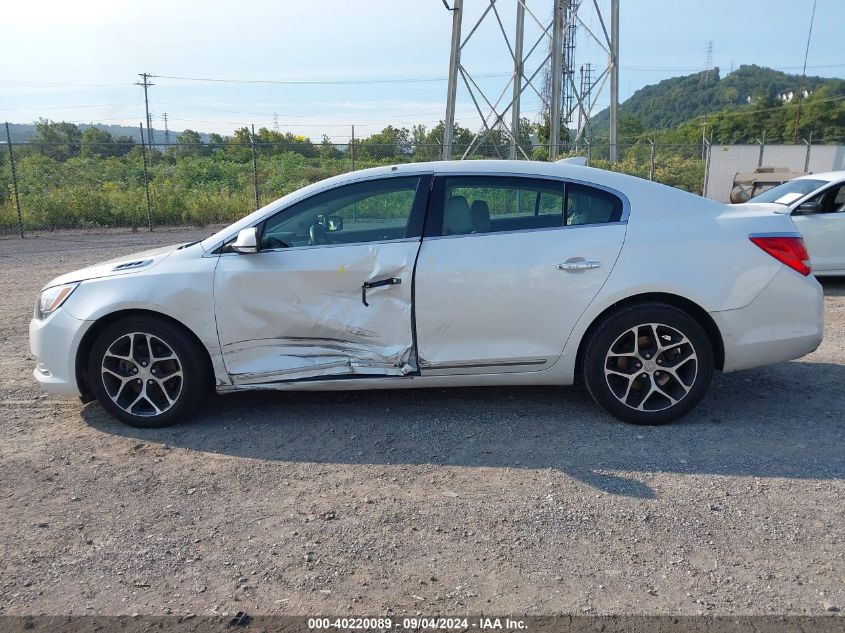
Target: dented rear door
pixel 299 310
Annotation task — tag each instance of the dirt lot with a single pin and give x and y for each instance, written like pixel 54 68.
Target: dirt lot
pixel 525 500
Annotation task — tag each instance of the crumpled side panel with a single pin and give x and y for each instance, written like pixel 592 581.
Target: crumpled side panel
pixel 293 314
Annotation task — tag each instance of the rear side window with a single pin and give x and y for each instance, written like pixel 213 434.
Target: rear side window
pixel 487 204
pixel 588 205
pixel 491 204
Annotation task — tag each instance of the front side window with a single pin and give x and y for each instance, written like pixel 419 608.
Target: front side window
pixel 369 211
pixel 831 201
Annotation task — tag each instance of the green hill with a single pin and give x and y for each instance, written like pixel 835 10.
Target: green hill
pixel 673 101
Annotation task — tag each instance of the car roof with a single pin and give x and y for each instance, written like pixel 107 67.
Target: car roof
pixel 829 176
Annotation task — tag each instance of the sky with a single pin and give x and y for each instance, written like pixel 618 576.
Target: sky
pixel 376 62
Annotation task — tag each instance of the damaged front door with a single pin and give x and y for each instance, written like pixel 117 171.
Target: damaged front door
pixel 330 291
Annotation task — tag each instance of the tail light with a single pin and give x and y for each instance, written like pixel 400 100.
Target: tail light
pixel 787 249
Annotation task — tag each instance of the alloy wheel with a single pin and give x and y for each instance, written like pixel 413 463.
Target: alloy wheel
pixel 651 367
pixel 142 374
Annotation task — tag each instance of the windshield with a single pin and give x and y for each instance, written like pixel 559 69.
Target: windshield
pixel 789 192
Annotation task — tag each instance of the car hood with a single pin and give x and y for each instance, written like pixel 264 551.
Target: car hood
pixel 774 207
pixel 125 265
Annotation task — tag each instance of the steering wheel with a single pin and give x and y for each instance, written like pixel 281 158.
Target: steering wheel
pixel 318 235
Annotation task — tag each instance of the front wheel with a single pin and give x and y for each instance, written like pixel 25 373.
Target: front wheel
pixel 147 372
pixel 648 364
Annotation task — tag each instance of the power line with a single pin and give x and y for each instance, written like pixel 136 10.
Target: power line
pixel 803 76
pixel 303 116
pixel 319 82
pixel 70 107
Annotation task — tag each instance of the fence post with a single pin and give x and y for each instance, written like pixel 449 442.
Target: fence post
pixel 254 167
pixel 807 156
pixel 352 148
pixel 146 180
pixel 762 143
pixel 14 180
pixel 651 160
pixel 709 151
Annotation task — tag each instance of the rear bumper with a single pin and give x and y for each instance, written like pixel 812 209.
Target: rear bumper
pixel 785 321
pixel 54 342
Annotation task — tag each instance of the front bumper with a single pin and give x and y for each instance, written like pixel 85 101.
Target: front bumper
pixel 54 342
pixel 785 321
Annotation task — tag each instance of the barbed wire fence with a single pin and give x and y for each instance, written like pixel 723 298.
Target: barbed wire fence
pixel 59 186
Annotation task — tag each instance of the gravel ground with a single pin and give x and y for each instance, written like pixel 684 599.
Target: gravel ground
pixel 523 500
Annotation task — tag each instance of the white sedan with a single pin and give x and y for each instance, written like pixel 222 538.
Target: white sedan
pixel 817 205
pixel 441 275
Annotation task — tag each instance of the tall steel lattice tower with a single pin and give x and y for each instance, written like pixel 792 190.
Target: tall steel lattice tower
pixel 568 95
pixel 561 101
pixel 586 87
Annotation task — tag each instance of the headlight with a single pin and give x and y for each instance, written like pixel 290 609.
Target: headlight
pixel 51 298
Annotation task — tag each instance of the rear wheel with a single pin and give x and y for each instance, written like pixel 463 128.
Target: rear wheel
pixel 648 363
pixel 148 372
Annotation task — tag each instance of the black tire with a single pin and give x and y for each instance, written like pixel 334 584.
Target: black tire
pixel 184 394
pixel 691 363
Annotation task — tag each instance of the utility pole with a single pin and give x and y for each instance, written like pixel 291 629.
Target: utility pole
pixel 517 77
pixel 166 130
pixel 614 80
pixel 557 62
pixel 145 82
pixel 452 88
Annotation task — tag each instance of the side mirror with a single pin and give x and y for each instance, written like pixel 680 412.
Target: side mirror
pixel 246 242
pixel 808 208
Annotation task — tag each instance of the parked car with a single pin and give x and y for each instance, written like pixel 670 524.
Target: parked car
pixel 749 184
pixel 448 274
pixel 817 205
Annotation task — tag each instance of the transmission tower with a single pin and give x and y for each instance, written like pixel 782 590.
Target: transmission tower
pixel 570 13
pixel 563 97
pixel 586 88
pixel 707 75
pixel 166 130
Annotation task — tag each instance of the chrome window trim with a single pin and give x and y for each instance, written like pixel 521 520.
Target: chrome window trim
pixel 545 228
pixel 315 246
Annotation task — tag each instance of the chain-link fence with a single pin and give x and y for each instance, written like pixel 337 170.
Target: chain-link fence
pixel 49 186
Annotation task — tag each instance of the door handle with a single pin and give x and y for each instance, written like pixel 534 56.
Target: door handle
pixel 581 265
pixel 390 281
